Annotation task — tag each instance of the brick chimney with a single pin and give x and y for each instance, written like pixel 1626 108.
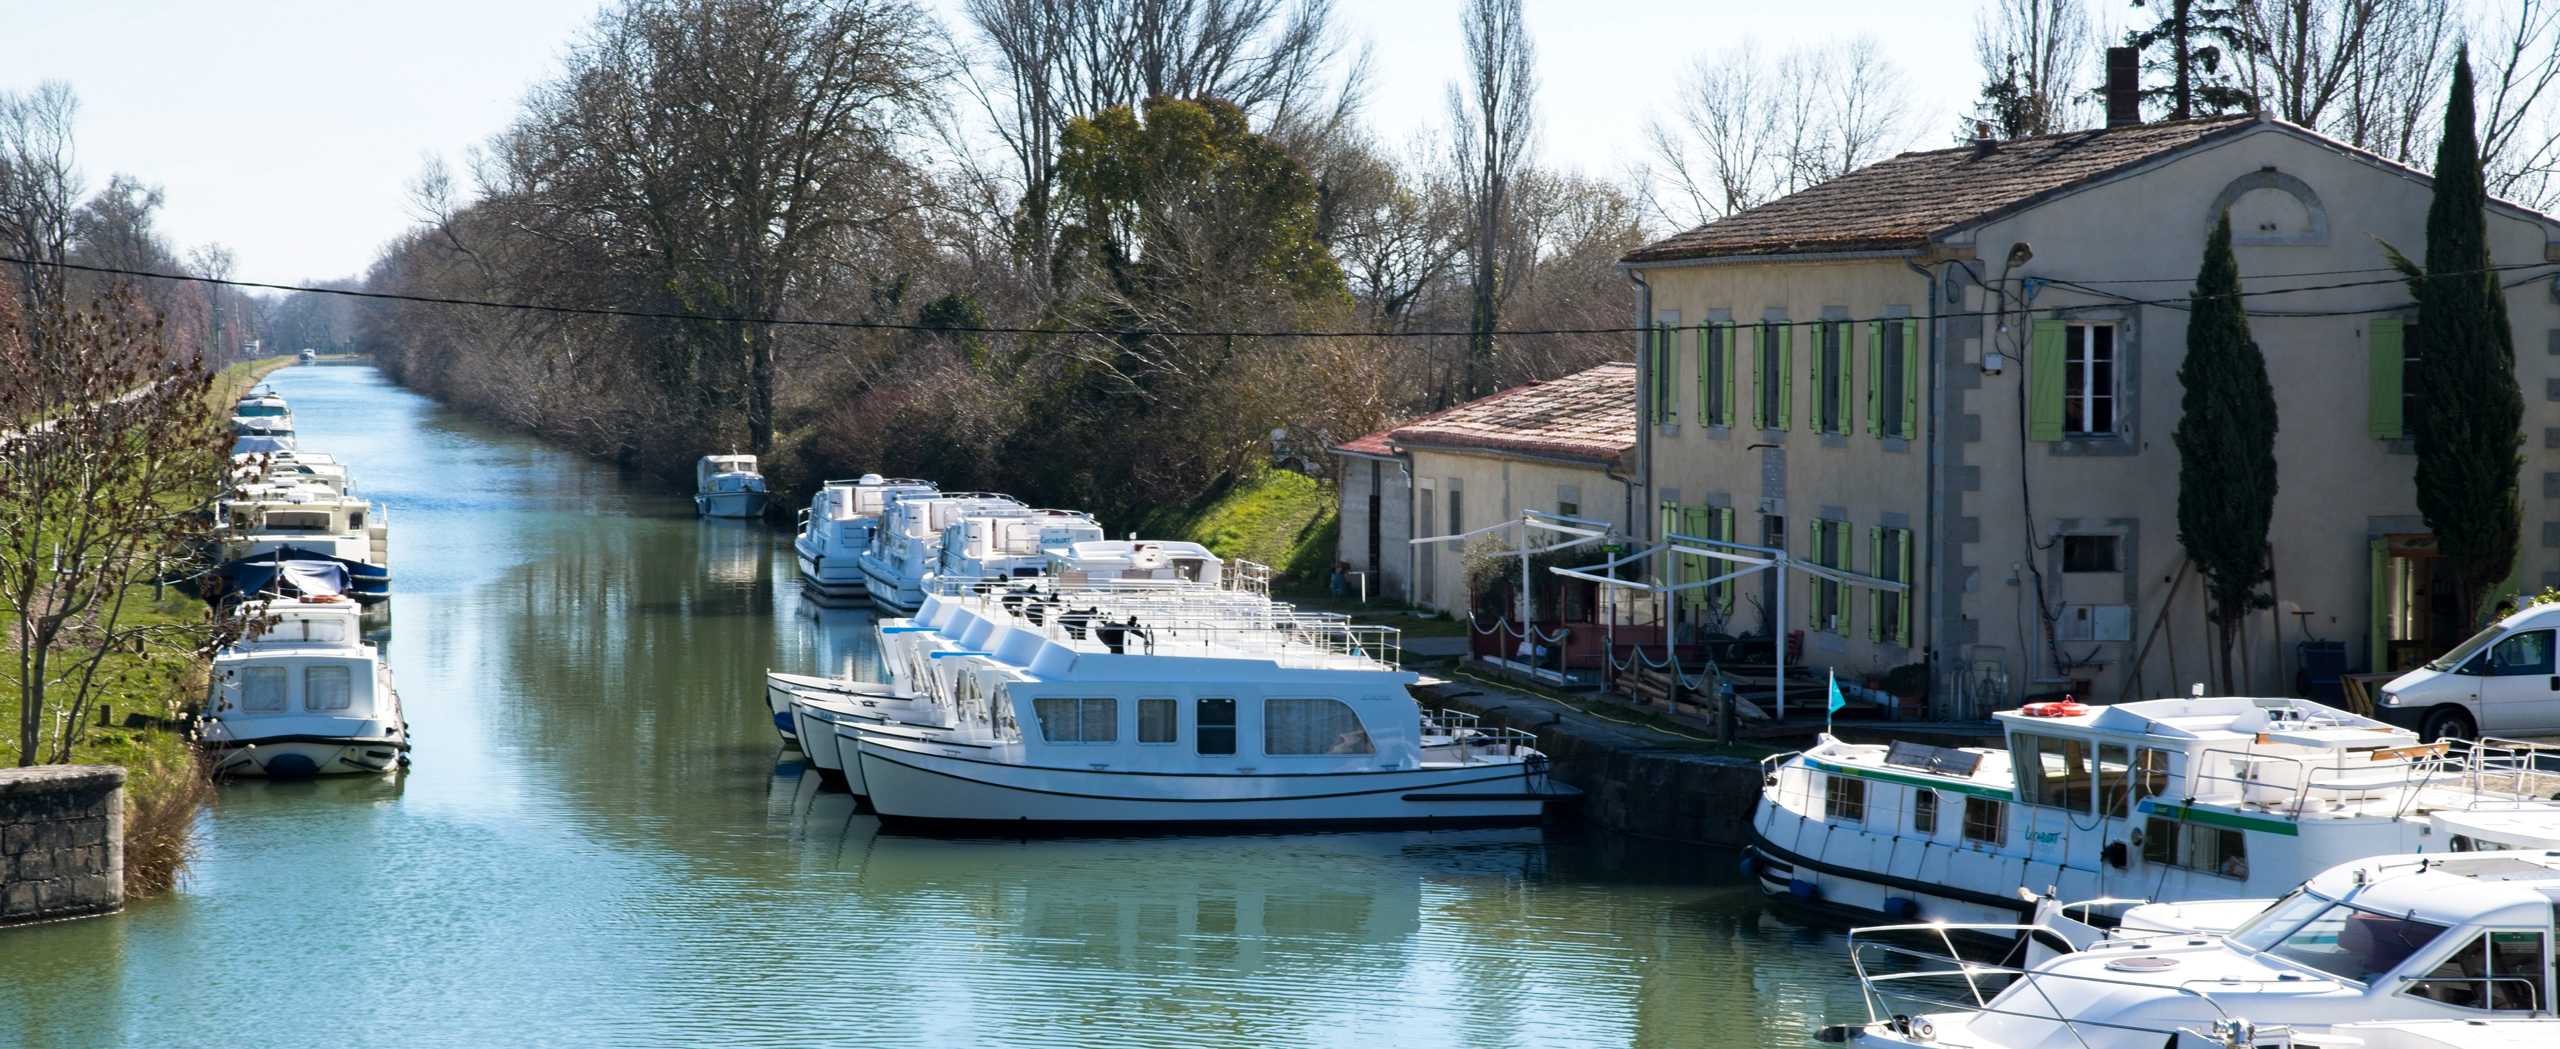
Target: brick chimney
pixel 1983 144
pixel 2124 86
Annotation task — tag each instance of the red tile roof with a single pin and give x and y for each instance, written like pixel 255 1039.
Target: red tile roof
pixel 1587 415
pixel 1899 204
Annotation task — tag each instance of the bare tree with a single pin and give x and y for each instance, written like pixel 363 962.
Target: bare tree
pixel 40 187
pixel 2519 45
pixel 2391 82
pixel 1494 116
pixel 1747 127
pixel 2035 57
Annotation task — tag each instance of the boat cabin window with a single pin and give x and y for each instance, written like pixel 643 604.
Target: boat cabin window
pixel 2115 780
pixel 1924 810
pixel 323 630
pixel 1845 799
pixel 262 688
pixel 2213 850
pixel 2498 970
pixel 2053 770
pixel 355 519
pixel 1986 821
pixel 328 686
pixel 1313 726
pixel 1214 725
pixel 297 520
pixel 2335 938
pixel 1156 721
pixel 1074 720
pixel 2150 773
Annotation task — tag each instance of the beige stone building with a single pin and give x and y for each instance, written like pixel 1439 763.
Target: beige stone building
pixel 1959 368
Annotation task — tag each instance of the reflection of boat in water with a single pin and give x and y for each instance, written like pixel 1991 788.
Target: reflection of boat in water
pixel 730 551
pixel 846 646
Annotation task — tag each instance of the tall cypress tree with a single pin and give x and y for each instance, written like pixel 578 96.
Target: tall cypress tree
pixel 2226 446
pixel 2469 414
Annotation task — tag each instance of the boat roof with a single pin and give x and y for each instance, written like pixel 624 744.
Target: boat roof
pixel 2222 719
pixel 1121 549
pixel 2490 888
pixel 1189 633
pixel 877 481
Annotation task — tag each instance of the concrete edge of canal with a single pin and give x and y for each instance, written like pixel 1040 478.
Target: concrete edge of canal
pixel 61 842
pixel 1639 781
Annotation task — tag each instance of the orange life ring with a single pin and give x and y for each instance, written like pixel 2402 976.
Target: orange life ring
pixel 2067 708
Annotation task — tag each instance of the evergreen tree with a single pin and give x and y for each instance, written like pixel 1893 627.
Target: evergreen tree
pixel 2200 44
pixel 2226 446
pixel 2469 414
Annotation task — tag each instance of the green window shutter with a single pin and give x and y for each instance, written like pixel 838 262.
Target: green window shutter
pixel 1706 340
pixel 2044 383
pixel 2378 634
pixel 1846 379
pixel 1786 375
pixel 1732 332
pixel 1902 574
pixel 1875 376
pixel 2384 342
pixel 1910 384
pixel 1652 404
pixel 1875 560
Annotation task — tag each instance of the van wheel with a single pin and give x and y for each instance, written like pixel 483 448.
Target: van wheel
pixel 2447 723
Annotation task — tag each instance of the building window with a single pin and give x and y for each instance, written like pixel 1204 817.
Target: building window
pixel 1715 374
pixel 1890 555
pixel 1924 810
pixel 1986 821
pixel 2090 553
pixel 2089 380
pixel 1831 378
pixel 1156 721
pixel 1214 725
pixel 1830 599
pixel 1072 720
pixel 1568 500
pixel 1845 799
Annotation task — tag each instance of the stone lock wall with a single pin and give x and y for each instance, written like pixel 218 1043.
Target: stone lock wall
pixel 61 842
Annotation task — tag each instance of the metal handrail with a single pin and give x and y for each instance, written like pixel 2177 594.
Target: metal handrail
pixel 1878 1010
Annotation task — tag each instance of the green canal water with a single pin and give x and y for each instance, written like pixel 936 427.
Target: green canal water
pixel 601 844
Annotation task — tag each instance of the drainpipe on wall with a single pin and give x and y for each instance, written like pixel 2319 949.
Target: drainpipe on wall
pixel 1412 519
pixel 1937 506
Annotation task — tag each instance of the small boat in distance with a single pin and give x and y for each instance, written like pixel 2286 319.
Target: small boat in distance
pixel 304 694
pixel 837 527
pixel 728 486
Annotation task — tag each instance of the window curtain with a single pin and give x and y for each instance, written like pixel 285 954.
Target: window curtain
pixel 1312 726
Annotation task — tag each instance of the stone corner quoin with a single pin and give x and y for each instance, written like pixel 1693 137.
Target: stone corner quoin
pixel 61 831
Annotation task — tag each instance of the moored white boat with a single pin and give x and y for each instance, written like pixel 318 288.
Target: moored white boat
pixel 306 695
pixel 1010 544
pixel 284 518
pixel 1182 708
pixel 906 544
pixel 2175 799
pixel 2394 939
pixel 728 486
pixel 836 528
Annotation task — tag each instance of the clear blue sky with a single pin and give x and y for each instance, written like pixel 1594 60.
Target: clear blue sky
pixel 287 130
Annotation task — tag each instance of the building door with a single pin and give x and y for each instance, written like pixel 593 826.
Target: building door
pixel 2520 691
pixel 2416 617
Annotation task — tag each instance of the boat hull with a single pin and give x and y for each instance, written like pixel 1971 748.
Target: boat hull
pixel 838 578
pixel 917 785
pixel 302 757
pixel 730 504
pixel 898 597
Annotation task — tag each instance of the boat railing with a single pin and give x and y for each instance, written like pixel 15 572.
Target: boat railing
pixel 1988 988
pixel 1247 576
pixel 1445 729
pixel 2517 772
pixel 1174 623
pixel 2462 774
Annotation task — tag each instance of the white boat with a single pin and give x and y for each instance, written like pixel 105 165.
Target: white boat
pixel 292 467
pixel 1182 708
pixel 262 403
pixel 297 519
pixel 1010 544
pixel 305 695
pixel 728 486
pixel 2423 938
pixel 2173 799
pixel 906 546
pixel 1092 561
pixel 836 528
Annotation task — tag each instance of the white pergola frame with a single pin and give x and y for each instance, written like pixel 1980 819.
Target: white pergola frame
pixel 1757 558
pixel 1586 530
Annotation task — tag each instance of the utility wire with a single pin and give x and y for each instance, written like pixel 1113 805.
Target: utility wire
pixel 2183 303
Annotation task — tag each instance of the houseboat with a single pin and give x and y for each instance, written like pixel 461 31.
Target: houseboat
pixel 906 545
pixel 288 520
pixel 1153 560
pixel 2171 799
pixel 303 694
pixel 2423 938
pixel 837 527
pixel 292 467
pixel 1009 544
pixel 728 486
pixel 1193 708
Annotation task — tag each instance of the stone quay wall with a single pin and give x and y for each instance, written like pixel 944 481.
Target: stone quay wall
pixel 61 842
pixel 1637 781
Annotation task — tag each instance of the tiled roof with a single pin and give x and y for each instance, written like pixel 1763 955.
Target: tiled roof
pixel 1585 415
pixel 1899 203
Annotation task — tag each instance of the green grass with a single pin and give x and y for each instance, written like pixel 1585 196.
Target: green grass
pixel 1278 518
pixel 231 382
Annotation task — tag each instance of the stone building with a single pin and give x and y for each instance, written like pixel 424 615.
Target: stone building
pixel 1959 368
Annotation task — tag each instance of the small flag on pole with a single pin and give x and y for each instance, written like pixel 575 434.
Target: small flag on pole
pixel 1836 701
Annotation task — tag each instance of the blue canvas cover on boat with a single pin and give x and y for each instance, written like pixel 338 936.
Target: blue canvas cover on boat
pixel 302 572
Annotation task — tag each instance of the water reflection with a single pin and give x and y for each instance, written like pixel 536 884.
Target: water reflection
pixel 600 844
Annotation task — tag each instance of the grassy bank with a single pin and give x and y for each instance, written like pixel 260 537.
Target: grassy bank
pixel 1277 518
pixel 238 378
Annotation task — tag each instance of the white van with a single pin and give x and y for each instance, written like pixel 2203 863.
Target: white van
pixel 2500 683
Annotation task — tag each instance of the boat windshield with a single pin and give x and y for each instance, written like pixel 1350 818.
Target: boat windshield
pixel 2478 641
pixel 2344 941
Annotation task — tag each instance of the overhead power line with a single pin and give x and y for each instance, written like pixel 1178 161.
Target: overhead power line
pixel 804 322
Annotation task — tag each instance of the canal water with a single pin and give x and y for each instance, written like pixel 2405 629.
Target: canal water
pixel 602 845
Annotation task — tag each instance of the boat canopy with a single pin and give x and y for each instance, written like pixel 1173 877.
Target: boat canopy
pixel 305 573
pixel 713 465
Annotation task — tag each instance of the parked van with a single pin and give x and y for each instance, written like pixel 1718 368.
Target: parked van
pixel 2500 683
